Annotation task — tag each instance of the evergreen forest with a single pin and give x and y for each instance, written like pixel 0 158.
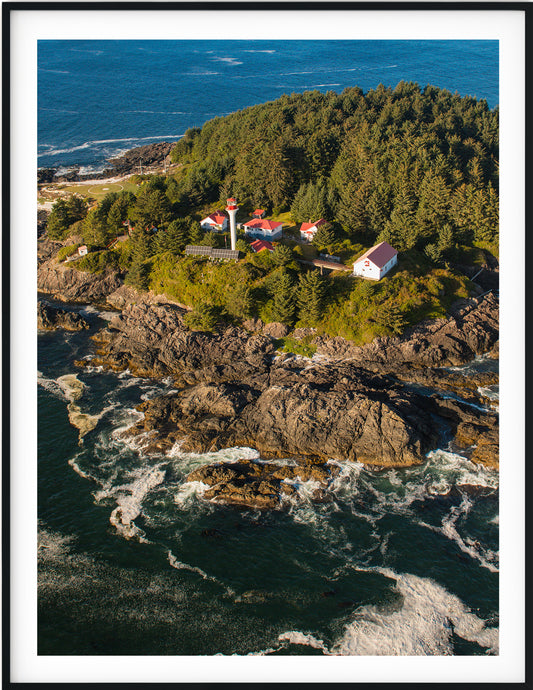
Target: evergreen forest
pixel 415 167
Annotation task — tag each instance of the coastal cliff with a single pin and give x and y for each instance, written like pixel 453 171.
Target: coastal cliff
pixel 70 285
pixel 233 389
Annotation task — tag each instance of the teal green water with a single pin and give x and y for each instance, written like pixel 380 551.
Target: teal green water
pixel 133 561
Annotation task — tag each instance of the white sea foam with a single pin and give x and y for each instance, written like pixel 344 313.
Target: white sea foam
pixel 486 557
pixel 179 565
pixel 97 142
pixel 53 71
pixel 490 392
pixel 51 385
pixel 129 498
pixel 295 637
pixel 445 469
pixel 72 462
pixel 420 625
pixel 90 309
pixel 231 61
pixel 56 152
pixel 188 494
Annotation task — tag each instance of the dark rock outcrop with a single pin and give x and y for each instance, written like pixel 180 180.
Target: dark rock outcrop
pixel 321 412
pixel 49 318
pixel 252 484
pixel 148 155
pixel 70 285
pixel 233 391
pixel 473 330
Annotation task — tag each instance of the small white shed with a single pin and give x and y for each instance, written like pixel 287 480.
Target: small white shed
pixel 376 261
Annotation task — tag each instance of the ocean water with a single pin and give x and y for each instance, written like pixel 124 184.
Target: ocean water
pixel 132 560
pixel 97 99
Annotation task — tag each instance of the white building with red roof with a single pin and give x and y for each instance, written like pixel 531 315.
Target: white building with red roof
pixel 216 222
pixel 263 229
pixel 376 261
pixel 309 230
pixel 258 213
pixel 261 245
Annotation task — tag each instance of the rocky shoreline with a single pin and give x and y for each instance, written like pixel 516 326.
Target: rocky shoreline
pixel 50 318
pixel 149 156
pixel 233 389
pixel 384 404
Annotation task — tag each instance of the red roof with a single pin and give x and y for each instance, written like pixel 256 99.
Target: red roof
pixel 262 224
pixel 217 217
pixel 309 226
pixel 258 212
pixel 259 245
pixel 379 255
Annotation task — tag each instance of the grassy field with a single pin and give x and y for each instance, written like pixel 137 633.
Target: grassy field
pixel 96 191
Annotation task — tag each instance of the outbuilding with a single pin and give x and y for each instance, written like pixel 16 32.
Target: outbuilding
pixel 309 230
pixel 216 222
pixel 376 261
pixel 263 229
pixel 82 250
pixel 261 245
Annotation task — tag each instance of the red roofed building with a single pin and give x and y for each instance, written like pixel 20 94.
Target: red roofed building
pixel 258 213
pixel 217 222
pixel 309 230
pixel 260 245
pixel 376 261
pixel 263 229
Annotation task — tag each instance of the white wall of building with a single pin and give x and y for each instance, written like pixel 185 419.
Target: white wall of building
pixel 207 224
pixel 264 234
pixel 367 269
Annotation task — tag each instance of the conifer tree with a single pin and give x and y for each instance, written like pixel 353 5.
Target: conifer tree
pixel 283 301
pixel 310 298
pixel 282 255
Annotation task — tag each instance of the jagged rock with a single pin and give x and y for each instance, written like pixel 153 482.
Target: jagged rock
pixel 70 285
pixel 49 318
pixel 234 392
pixel 253 325
pixel 252 484
pixel 453 341
pixel 276 329
pixel 148 155
pixel 339 412
pixel 123 296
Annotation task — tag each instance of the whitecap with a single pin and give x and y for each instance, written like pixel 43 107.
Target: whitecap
pixel 486 557
pixel 129 498
pixel 295 637
pixel 179 565
pixel 419 624
pixel 230 61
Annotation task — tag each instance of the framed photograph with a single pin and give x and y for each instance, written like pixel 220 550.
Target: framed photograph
pixel 267 443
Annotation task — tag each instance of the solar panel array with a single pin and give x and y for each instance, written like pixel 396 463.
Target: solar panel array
pixel 198 250
pixel 225 254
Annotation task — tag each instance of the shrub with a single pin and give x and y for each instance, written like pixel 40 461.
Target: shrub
pixel 96 262
pixel 67 251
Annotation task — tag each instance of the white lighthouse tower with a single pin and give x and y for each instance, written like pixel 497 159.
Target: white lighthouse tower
pixel 232 209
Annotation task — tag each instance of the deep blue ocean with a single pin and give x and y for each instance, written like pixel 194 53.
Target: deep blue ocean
pixel 132 560
pixel 99 98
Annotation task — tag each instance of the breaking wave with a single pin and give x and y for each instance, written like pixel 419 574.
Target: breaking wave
pixel 421 622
